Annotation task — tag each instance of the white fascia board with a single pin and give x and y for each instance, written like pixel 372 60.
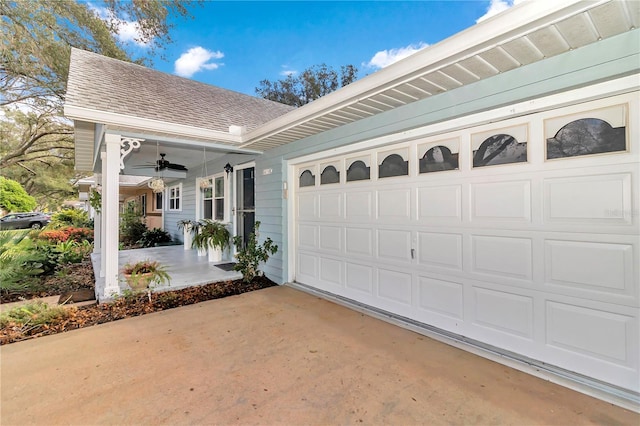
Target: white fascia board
pixel 605 89
pixel 521 19
pixel 146 124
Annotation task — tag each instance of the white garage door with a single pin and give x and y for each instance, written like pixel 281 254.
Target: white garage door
pixel 521 234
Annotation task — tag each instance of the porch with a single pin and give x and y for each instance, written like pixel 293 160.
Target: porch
pixel 185 267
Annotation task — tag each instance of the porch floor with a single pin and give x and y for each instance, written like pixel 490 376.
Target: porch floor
pixel 185 267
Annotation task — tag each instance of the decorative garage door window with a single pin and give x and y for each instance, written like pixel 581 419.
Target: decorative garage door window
pixel 506 147
pixel 393 164
pixel 600 132
pixel 307 178
pixel 439 156
pixel 330 174
pixel 358 169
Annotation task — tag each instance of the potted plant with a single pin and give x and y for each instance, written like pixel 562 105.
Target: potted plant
pixel 187 227
pixel 214 236
pixel 145 273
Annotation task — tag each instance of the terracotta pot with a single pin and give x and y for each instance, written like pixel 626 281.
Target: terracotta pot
pixel 141 281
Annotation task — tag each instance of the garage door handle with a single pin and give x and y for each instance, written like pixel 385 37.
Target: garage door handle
pixel 413 252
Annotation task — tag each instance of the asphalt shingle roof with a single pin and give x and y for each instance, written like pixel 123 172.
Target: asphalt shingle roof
pixel 105 84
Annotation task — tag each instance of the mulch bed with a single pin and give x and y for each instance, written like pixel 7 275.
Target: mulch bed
pixel 70 278
pixel 132 305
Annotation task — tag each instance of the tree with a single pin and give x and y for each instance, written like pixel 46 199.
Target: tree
pixel 311 84
pixel 36 41
pixel 13 197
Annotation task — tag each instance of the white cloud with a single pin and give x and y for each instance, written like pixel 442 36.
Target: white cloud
pixel 287 72
pixel 497 6
pixel 385 58
pixel 196 59
pixel 128 31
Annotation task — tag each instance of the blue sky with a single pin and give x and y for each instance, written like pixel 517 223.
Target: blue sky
pixel 237 44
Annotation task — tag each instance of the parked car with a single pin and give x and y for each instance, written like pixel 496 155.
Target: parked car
pixel 34 220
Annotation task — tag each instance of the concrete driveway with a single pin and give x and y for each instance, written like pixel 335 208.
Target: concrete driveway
pixel 275 356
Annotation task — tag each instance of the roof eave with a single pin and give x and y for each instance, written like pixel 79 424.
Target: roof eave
pixel 510 24
pixel 147 125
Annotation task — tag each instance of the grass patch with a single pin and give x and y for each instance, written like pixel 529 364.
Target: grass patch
pixel 33 314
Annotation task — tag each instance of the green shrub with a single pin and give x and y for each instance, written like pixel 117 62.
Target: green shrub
pixel 19 261
pixel 70 217
pixel 33 314
pixel 131 226
pixel 73 251
pixel 154 237
pixel 250 256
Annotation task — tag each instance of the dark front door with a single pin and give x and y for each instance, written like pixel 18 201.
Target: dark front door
pixel 245 202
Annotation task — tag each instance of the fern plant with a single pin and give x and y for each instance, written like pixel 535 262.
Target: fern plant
pixel 250 255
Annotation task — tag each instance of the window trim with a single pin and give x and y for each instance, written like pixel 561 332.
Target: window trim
pixel 169 198
pixel 226 197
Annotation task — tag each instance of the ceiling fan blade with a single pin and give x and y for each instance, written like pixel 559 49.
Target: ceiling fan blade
pixel 174 166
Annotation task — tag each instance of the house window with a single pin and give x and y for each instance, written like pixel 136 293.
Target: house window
pixel 213 199
pixel 358 170
pixel 157 201
pixel 500 149
pixel 586 136
pixel 143 205
pixel 393 165
pixel 437 159
pixel 329 175
pixel 175 198
pixel 307 179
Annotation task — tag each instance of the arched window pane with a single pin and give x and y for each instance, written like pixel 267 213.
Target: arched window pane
pixel 329 175
pixel 307 179
pixel 500 149
pixel 585 137
pixel 358 170
pixel 437 159
pixel 393 165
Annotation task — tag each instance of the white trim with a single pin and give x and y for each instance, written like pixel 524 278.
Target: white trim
pixel 601 90
pixel 145 124
pixel 234 202
pixel 167 203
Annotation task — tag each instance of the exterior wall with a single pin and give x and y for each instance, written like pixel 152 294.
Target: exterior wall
pixel 152 218
pixel 609 59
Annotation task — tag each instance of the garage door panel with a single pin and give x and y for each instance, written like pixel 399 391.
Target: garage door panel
pixel 307 236
pixel 501 201
pixel 307 268
pixel 330 206
pixel 440 203
pixel 331 271
pixel 590 332
pixel 507 313
pixel 359 278
pixel 394 245
pixel 502 256
pixel 359 241
pixel 359 206
pixel 330 238
pixel 394 287
pixel 440 250
pixel 394 205
pixel 597 266
pixel 441 297
pixel 307 206
pixel 599 199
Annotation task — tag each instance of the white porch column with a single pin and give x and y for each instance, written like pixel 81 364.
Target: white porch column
pixel 97 219
pixel 110 212
pixel 103 182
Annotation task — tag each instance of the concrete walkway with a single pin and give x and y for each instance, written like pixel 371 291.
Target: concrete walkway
pixel 275 356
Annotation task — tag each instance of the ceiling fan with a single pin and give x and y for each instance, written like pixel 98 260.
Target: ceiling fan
pixel 162 164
